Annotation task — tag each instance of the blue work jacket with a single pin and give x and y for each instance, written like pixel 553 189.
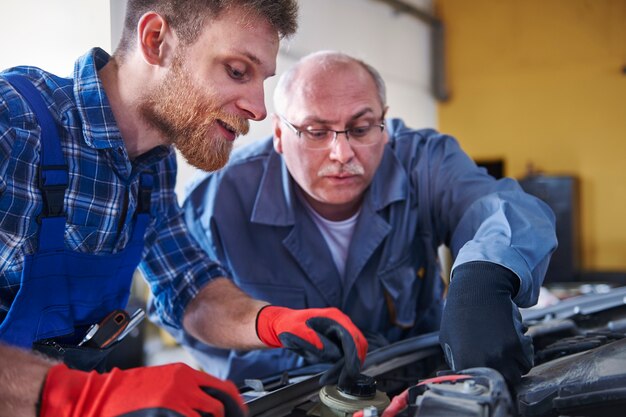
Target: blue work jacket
pixel 426 192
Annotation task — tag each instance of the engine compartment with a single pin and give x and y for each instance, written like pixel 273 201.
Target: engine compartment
pixel 580 370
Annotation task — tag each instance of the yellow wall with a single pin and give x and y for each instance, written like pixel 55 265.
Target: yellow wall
pixel 542 82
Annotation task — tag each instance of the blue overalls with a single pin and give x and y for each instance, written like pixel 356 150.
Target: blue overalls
pixel 63 292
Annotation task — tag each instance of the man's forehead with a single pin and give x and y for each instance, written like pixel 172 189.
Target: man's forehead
pixel 317 102
pixel 237 33
pixel 320 82
pixel 307 115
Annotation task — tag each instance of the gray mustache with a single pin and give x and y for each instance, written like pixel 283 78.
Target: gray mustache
pixel 350 168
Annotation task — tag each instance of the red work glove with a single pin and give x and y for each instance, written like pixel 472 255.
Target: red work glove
pixel 161 391
pixel 317 334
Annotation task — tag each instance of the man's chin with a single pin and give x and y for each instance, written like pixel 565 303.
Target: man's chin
pixel 209 163
pixel 209 166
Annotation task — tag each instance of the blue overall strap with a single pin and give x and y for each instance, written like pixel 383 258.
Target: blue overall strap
pixel 53 172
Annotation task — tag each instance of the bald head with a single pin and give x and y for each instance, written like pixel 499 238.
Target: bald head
pixel 320 68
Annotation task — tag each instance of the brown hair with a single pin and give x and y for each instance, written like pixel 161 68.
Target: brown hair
pixel 188 17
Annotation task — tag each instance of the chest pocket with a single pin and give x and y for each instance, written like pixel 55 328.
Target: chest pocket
pixel 82 238
pixel 409 282
pixel 403 282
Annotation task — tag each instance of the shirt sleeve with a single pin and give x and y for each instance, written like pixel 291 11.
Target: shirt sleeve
pixel 19 158
pixel 483 219
pixel 174 265
pixel 5 137
pixel 9 103
pixel 6 145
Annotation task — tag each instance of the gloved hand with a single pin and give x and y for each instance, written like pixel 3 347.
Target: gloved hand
pixel 317 334
pixel 481 326
pixel 173 390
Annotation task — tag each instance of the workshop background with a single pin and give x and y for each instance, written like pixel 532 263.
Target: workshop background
pixel 532 89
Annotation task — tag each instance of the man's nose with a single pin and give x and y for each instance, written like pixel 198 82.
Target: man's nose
pixel 253 105
pixel 340 149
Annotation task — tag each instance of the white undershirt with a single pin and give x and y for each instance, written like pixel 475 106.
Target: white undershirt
pixel 337 234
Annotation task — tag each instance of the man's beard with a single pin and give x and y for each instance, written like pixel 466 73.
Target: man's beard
pixel 185 116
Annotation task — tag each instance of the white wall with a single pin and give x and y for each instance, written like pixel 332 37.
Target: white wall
pixel 53 33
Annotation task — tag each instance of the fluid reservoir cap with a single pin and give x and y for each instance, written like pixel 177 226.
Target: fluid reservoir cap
pixel 362 387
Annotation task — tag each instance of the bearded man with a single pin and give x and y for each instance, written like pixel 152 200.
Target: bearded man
pixel 87 173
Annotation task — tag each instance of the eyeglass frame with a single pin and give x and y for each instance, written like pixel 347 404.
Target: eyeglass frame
pixel 298 131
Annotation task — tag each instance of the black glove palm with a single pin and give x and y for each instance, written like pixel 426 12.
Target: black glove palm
pixel 338 345
pixel 324 334
pixel 481 326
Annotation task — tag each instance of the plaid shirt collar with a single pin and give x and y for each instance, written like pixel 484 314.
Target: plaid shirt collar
pixel 99 128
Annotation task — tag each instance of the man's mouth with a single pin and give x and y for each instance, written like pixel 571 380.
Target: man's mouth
pixel 342 175
pixel 228 128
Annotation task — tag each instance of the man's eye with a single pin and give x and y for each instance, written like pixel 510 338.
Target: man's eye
pixel 317 134
pixel 359 131
pixel 235 73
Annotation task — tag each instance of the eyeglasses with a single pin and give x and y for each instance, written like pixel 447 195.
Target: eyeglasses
pixel 365 135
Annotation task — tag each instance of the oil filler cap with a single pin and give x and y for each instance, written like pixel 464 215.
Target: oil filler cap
pixel 351 397
pixel 362 387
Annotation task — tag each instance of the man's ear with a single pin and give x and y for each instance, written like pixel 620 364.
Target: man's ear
pixel 155 40
pixel 278 134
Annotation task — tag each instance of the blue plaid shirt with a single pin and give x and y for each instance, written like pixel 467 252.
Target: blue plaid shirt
pixel 101 198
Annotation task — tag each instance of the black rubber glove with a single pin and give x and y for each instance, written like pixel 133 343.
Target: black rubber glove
pixel 481 326
pixel 324 334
